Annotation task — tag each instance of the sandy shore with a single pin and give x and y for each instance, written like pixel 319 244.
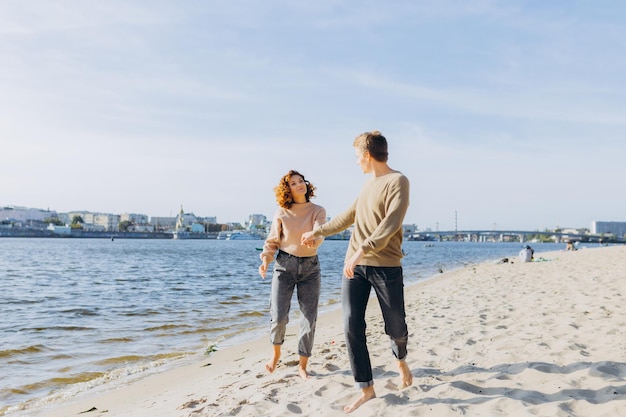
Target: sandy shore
pixel 514 339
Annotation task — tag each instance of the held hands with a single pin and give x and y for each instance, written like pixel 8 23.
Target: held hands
pixel 308 239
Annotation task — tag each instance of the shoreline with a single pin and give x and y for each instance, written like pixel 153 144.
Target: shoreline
pixel 539 338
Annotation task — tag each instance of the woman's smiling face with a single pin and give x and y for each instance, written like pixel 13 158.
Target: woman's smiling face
pixel 297 187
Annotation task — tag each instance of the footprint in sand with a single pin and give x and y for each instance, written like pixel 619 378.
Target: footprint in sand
pixel 331 367
pixel 278 381
pixel 391 386
pixel 193 403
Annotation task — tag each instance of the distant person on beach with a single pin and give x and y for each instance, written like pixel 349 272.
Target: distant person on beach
pixel 296 267
pixel 373 260
pixel 527 254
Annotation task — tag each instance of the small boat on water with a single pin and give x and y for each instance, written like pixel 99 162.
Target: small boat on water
pixel 242 236
pixel 237 235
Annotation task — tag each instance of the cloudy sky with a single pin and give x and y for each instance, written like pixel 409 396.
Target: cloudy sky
pixel 503 114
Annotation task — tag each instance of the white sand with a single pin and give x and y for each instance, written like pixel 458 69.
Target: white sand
pixel 521 339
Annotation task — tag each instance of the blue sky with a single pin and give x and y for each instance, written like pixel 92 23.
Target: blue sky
pixel 503 114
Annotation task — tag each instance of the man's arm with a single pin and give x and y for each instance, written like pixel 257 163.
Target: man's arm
pixel 336 225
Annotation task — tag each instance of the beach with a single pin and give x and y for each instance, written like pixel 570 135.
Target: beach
pixel 495 339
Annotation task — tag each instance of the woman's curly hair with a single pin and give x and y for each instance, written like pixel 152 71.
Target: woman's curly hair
pixel 283 194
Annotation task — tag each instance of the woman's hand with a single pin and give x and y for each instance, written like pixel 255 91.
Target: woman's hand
pixel 263 269
pixel 307 239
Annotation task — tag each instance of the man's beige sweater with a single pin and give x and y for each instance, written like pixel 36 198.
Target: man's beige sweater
pixel 377 215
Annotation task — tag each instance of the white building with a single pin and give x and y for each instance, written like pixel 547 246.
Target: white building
pixel 25 214
pixel 141 228
pixel 208 220
pixel 256 221
pixel 97 221
pixel 60 230
pixel 409 228
pixel 134 218
pixel 163 223
pixel 615 228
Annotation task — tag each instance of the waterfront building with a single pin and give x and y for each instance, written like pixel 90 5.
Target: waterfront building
pixel 409 229
pixel 97 222
pixel 65 218
pixel 618 229
pixel 145 227
pixel 197 228
pixel 110 222
pixel 60 230
pixel 134 218
pixel 163 223
pixel 25 214
pixel 256 222
pixel 207 220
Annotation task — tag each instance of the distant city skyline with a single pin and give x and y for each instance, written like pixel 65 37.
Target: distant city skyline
pixel 498 112
pixel 269 219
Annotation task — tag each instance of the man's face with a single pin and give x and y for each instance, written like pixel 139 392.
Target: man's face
pixel 363 160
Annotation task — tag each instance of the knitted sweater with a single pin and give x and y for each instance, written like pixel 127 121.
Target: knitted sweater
pixel 377 215
pixel 288 225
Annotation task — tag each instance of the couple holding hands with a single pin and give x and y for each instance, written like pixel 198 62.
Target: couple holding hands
pixel 373 260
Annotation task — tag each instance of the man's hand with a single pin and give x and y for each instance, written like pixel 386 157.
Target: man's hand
pixel 348 268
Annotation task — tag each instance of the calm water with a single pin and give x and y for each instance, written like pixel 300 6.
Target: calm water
pixel 78 313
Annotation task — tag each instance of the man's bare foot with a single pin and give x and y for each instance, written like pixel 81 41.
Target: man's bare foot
pixel 302 368
pixel 405 374
pixel 270 366
pixel 366 395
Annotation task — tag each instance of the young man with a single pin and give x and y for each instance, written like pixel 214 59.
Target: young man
pixel 373 260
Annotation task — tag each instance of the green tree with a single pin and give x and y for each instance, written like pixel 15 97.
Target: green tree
pixel 77 222
pixel 124 225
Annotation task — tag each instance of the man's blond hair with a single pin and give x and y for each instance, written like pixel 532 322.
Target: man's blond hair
pixel 373 143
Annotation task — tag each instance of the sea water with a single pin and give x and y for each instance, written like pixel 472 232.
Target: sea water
pixel 76 314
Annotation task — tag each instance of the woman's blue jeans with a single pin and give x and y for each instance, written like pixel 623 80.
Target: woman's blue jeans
pixel 303 275
pixel 388 284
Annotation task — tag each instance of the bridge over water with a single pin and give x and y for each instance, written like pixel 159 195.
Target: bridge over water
pixel 505 235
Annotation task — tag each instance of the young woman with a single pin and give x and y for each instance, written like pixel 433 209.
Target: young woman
pixel 296 267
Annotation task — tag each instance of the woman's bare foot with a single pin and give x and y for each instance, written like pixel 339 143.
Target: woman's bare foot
pixel 303 373
pixel 270 366
pixel 366 395
pixel 405 374
pixel 302 368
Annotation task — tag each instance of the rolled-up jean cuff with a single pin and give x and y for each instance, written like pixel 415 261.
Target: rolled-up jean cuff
pixel 363 384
